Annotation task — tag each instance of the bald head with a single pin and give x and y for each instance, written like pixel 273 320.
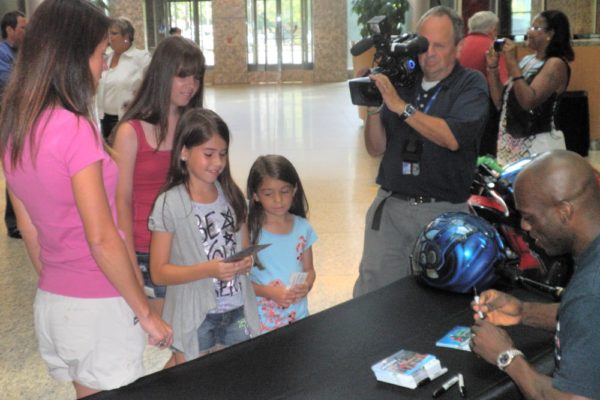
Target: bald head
pixel 558 197
pixel 557 176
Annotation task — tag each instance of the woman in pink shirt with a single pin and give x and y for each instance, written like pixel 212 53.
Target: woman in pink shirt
pixel 173 83
pixel 90 311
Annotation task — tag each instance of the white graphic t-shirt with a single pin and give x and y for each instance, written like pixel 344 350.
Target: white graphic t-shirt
pixel 216 226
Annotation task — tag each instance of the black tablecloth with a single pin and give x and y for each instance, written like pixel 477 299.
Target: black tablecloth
pixel 329 355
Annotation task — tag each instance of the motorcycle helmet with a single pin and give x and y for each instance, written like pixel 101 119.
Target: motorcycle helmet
pixel 457 252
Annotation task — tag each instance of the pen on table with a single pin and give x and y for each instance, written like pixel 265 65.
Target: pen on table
pixel 476 299
pixel 430 378
pixel 461 386
pixel 445 386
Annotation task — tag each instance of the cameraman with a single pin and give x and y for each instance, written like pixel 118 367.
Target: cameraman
pixel 428 135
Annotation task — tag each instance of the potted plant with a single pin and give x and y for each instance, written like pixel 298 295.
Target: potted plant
pixel 393 10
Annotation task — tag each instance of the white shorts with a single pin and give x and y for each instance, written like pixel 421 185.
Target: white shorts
pixel 93 342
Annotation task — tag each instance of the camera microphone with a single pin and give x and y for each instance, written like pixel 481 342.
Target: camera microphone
pixel 362 46
pixel 417 45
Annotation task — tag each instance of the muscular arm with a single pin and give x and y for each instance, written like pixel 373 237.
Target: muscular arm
pixel 534 385
pixel 540 315
pixel 488 341
pixel 502 309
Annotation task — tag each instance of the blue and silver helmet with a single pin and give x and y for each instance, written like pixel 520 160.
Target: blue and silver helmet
pixel 456 252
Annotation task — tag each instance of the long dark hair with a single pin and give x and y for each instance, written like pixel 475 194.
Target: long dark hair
pixel 195 127
pixel 51 70
pixel 275 167
pixel 560 44
pixel 174 56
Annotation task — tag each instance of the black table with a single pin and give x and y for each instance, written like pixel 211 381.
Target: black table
pixel 329 355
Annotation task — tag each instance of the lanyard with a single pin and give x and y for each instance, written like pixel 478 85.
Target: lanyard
pixel 431 99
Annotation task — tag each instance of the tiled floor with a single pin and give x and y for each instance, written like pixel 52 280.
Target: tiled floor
pixel 316 127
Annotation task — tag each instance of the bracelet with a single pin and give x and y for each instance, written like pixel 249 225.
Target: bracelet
pixel 376 111
pixel 516 78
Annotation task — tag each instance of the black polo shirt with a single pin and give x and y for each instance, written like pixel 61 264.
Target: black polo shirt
pixel 461 99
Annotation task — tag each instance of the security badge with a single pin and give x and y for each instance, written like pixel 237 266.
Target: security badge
pixel 412 148
pixel 411 168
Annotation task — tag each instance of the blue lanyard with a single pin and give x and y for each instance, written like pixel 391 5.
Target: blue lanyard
pixel 431 99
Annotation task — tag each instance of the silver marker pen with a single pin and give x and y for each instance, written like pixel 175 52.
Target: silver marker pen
pixel 461 386
pixel 476 299
pixel 444 388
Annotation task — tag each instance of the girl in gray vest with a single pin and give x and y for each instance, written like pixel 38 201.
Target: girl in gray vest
pixel 197 221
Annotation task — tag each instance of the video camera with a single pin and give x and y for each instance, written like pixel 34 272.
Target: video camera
pixel 395 56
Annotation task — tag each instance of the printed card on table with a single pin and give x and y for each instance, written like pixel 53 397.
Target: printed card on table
pixel 458 338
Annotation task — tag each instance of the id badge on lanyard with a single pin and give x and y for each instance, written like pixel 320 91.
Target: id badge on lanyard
pixel 412 148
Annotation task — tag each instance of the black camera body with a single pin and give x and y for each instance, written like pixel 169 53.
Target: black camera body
pixel 499 44
pixel 395 57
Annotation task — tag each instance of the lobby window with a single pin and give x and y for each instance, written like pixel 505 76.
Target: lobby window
pixel 520 16
pixel 279 34
pixel 194 18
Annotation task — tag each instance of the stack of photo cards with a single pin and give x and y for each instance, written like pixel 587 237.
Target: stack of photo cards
pixel 458 338
pixel 248 251
pixel 408 369
pixel 297 278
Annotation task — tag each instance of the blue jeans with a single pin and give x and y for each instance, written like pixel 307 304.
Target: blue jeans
pixel 152 291
pixel 226 328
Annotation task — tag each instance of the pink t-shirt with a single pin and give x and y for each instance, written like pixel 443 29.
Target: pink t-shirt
pixel 66 145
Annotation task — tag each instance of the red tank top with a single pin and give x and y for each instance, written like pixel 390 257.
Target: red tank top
pixel 149 175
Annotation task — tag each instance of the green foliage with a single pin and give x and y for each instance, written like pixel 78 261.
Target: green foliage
pixel 394 10
pixel 490 162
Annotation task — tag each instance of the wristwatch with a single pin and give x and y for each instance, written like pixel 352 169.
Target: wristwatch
pixel 409 111
pixel 506 357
